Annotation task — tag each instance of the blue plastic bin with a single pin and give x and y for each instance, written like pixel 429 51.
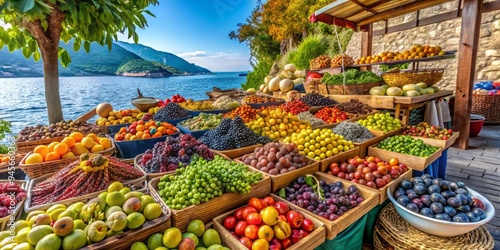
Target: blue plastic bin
pixel 195 134
pixel 130 149
pixel 437 168
pixel 113 129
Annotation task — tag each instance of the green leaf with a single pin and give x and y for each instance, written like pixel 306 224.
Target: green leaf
pixel 27 52
pixel 76 46
pixel 22 6
pixel 136 38
pixel 309 181
pixel 44 24
pixel 65 58
pixel 4 36
pixel 86 46
pixel 12 45
pixel 149 13
pixel 36 56
pixel 282 193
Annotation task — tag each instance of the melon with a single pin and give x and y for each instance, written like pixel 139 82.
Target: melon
pixel 274 84
pixel 436 89
pixel 394 91
pixel 265 90
pixel 286 85
pixel 290 67
pixel 251 91
pixel 412 93
pixel 429 90
pixel 299 81
pixel 377 91
pixel 261 88
pixel 299 74
pixel 422 85
pixel 385 86
pixel 267 79
pixel 286 75
pixel 409 87
pixel 103 109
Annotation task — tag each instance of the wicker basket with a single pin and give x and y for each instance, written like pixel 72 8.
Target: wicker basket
pixel 427 76
pixel 19 207
pixel 5 165
pixel 39 169
pixel 487 106
pixel 27 146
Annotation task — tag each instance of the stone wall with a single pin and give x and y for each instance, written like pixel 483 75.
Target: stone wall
pixel 446 35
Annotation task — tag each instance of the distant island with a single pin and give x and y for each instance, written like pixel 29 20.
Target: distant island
pixel 125 59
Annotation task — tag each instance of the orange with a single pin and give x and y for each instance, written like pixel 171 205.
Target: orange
pixel 52 156
pixel 42 150
pixel 5 159
pixel 94 137
pixel 127 136
pixel 70 141
pixel 140 128
pixel 88 142
pixel 34 158
pixel 162 130
pixel 146 136
pixel 68 155
pixel 51 146
pixel 157 134
pixel 77 135
pixel 61 148
pixel 140 122
pixel 123 130
pixel 139 134
pixel 105 142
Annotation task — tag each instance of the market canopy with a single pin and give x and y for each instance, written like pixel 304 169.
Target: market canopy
pixel 358 14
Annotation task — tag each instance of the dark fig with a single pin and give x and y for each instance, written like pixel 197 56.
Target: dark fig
pixel 460 217
pixel 437 207
pixel 454 202
pixel 420 188
pixel 444 217
pixel 406 184
pixel 403 200
pixel 447 194
pixel 426 199
pixel 464 209
pixel 480 212
pixel 433 189
pixel 473 216
pixel 412 207
pixel 427 212
pixel 450 211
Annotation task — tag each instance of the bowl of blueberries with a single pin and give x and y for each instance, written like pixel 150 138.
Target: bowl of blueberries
pixel 440 207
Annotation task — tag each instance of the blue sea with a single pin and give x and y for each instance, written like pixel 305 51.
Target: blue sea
pixel 22 100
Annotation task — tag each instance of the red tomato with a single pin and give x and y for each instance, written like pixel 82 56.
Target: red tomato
pixel 230 222
pixel 238 214
pixel 253 219
pixel 264 203
pixel 251 231
pixel 269 200
pixel 247 211
pixel 294 219
pixel 246 242
pixel 239 229
pixel 255 203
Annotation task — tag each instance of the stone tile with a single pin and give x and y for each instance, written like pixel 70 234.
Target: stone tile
pixel 487 159
pixel 469 154
pixel 484 165
pixel 450 174
pixel 484 181
pixel 460 161
pixel 494 231
pixel 492 177
pixel 494 155
pixel 473 172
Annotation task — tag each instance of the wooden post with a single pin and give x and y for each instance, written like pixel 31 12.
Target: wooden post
pixel 469 43
pixel 367 44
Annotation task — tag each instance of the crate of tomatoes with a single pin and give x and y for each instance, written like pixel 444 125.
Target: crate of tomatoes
pixel 269 224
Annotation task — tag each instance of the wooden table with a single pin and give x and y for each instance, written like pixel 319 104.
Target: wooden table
pixel 401 104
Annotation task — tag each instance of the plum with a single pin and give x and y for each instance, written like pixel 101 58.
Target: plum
pixel 433 189
pixel 445 185
pixel 417 180
pixel 437 181
pixel 447 194
pixel 453 186
pixel 427 212
pixel 444 217
pixel 464 209
pixel 462 191
pixel 418 202
pixel 437 207
pixel 480 212
pixel 462 197
pixel 454 202
pixel 435 197
pixel 473 216
pixel 420 188
pixel 412 195
pixel 352 189
pixel 412 207
pixel 427 182
pixel 450 211
pixel 460 217
pixel 461 185
pixel 406 184
pixel 403 200
pixel 398 192
pixel 426 199
pixel 426 176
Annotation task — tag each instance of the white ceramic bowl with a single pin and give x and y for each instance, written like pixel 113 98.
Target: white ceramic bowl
pixel 440 227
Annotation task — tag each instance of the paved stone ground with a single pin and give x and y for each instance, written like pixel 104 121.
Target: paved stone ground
pixel 479 168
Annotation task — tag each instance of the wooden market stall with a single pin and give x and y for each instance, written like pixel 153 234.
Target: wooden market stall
pixel 360 15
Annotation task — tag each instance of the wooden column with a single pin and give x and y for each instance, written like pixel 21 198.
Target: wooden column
pixel 367 44
pixel 467 52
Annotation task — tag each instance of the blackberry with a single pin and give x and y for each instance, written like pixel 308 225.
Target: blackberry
pixel 315 99
pixel 171 111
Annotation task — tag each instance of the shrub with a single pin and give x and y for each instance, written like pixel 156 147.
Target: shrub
pixel 310 48
pixel 256 77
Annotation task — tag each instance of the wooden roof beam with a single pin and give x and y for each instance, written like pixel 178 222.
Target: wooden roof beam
pixel 371 6
pixel 401 10
pixel 364 6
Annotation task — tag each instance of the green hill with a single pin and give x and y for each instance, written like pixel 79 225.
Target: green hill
pixel 166 58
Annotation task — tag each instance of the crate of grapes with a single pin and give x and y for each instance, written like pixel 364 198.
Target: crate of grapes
pixel 339 220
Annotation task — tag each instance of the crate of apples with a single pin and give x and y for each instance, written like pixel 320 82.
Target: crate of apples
pixel 268 224
pixel 372 172
pixel 140 130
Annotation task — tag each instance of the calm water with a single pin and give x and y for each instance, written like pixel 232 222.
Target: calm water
pixel 22 100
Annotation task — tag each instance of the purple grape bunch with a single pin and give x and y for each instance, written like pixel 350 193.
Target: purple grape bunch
pixel 328 200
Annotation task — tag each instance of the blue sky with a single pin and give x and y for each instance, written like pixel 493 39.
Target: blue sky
pixel 198 31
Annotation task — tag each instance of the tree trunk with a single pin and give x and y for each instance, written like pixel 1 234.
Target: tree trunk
pixel 51 80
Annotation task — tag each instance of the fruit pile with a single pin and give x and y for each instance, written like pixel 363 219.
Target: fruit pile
pixel 267 224
pixel 202 122
pixel 260 99
pixel 73 145
pixel 410 90
pixel 10 195
pixel 276 124
pixel 406 144
pixel 439 199
pixel 329 201
pixel 487 88
pixel 144 130
pixel 381 122
pixel 225 176
pixel 416 51
pixel 295 107
pixel 426 130
pixel 78 225
pixel 370 171
pixel 320 62
pixel 231 134
pixel 170 154
pixel 319 144
pixel 125 116
pixel 354 107
pixel 91 173
pixel 284 81
pixel 196 236
pixel 197 105
pixel 226 102
pixel 60 129
pixel 276 158
pixel 352 131
pixel 171 111
pixel 331 115
pixel 341 60
pixel 246 113
pixel 315 99
pixel 175 99
pixel 311 119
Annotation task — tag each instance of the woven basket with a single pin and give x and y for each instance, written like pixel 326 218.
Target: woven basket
pixel 39 169
pixel 17 158
pixel 427 76
pixel 487 106
pixel 392 231
pixel 19 207
pixel 27 146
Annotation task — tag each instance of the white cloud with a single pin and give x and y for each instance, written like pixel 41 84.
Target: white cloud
pixel 198 53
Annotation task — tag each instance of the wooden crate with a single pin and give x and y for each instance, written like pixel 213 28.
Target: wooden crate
pixel 363 147
pixel 238 152
pixel 214 207
pixel 440 143
pixel 335 227
pixel 27 146
pixel 414 162
pixel 382 192
pixel 323 164
pixel 16 213
pixel 283 180
pixel 311 241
